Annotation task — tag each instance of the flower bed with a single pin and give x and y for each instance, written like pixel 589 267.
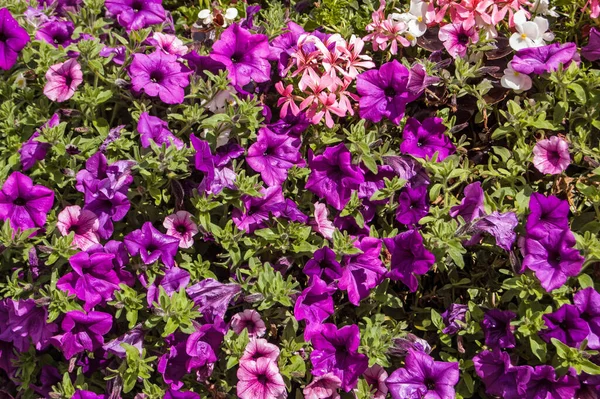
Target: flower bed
pixel 331 199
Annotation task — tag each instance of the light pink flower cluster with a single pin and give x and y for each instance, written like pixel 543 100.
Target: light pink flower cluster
pixel 326 68
pixel 387 31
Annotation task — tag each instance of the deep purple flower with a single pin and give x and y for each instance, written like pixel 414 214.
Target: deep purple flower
pixel 423 140
pixel 258 209
pixel 92 280
pixel 32 150
pixel 413 205
pixel 315 303
pixel 384 93
pixel 200 352
pixel 546 213
pixel 151 245
pixel 82 332
pixel 155 129
pixel 419 80
pixel 566 325
pixel 159 74
pixel 133 337
pixel 454 318
pixel 201 63
pixel 136 14
pixel 26 323
pixel 544 384
pixel 374 182
pixel 97 169
pixel 471 207
pixel 272 155
pixel 56 32
pixel 289 210
pixel 212 297
pixel 592 50
pixel 333 177
pixel 588 304
pixel 81 394
pixel 324 265
pixel 500 377
pixel 172 365
pixel 409 169
pixel 539 60
pixel 284 45
pixel 553 258
pixel 174 280
pixel 245 55
pixel 499 225
pixel 336 351
pixel 423 377
pixel 363 271
pixel 409 258
pixel 13 38
pixel 176 394
pixel 497 329
pixel 23 203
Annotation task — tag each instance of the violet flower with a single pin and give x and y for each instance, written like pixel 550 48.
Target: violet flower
pixel 136 14
pixel 546 213
pixel 159 74
pixel 250 321
pixel 497 329
pixel 82 332
pixel 591 51
pixel 13 38
pixel 26 322
pixel 56 33
pixel 272 155
pixel 155 129
pixel 454 318
pixel 181 226
pixel 176 394
pixel 151 245
pixel 336 351
pixel 258 348
pixel 212 297
pixel 472 205
pixel 539 60
pixel 362 272
pixel 25 205
pixel 174 280
pixel 323 265
pixel 245 55
pixel 315 302
pixel 333 177
pixel 566 325
pixel 423 377
pixel 260 380
pixel 588 304
pixel 413 205
pixel 82 222
pixel 81 394
pixel 32 150
pixel 551 156
pixel 500 377
pixel 384 93
pixel 409 258
pixel 424 139
pixel 257 210
pixel 544 384
pixel 63 80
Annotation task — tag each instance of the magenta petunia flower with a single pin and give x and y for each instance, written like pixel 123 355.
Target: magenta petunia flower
pixel 546 213
pixel 500 377
pixel 315 302
pixel 336 351
pixel 151 245
pixel 56 32
pixel 13 38
pixel 155 129
pixel 180 225
pixel 23 203
pixel 245 55
pixel 456 38
pixel 588 304
pixel 551 156
pixel 333 177
pixel 423 140
pixel 544 384
pixel 159 74
pixel 174 280
pixel 260 348
pixel 423 377
pixel 257 210
pixel 539 60
pixel 454 318
pixel 362 272
pixel 376 377
pixel 119 53
pixel 384 93
pixel 81 394
pixel 249 320
pixel 591 51
pixel 136 14
pixel 199 349
pixel 497 329
pixel 32 150
pixel 82 332
pixel 272 155
pixel 83 223
pixel 63 80
pixel 566 325
pixel 176 394
pixel 25 324
pixel 413 205
pixel 472 205
pixel 260 380
pixel 323 387
pixel 212 298
pixel 409 258
pixel 324 265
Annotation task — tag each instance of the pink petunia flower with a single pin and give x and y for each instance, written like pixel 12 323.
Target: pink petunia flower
pixel 63 80
pixel 259 348
pixel 260 380
pixel 323 387
pixel 375 377
pixel 250 320
pixel 83 223
pixel 456 38
pixel 551 155
pixel 322 224
pixel 181 226
pixel 170 44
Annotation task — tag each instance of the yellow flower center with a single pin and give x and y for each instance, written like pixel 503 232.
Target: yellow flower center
pixel 420 19
pixel 523 36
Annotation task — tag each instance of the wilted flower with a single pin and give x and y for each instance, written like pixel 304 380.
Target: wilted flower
pixel 63 80
pixel 551 155
pixel 454 318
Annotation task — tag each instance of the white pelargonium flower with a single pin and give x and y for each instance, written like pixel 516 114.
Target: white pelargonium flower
pixel 205 16
pixel 529 33
pixel 414 20
pixel 514 80
pixel 543 7
pixel 230 15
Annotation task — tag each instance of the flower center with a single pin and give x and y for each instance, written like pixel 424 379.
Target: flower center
pixel 523 36
pixel 156 76
pixel 389 92
pixel 430 384
pixel 19 201
pixel 463 39
pixel 151 248
pixel 262 379
pixel 74 228
pixel 68 80
pixel 3 37
pixel 137 6
pixel 181 229
pixel 236 57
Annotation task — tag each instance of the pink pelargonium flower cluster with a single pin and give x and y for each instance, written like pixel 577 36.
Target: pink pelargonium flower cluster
pixel 326 67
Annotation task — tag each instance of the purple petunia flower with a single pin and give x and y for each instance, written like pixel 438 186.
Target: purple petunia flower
pixel 544 384
pixel 155 129
pixel 423 140
pixel 363 271
pixel 566 325
pixel 471 207
pixel 284 45
pixel 13 38
pixel 500 377
pixel 588 304
pixel 315 303
pixel 423 377
pixel 56 33
pixel 136 14
pixel 212 298
pixel 499 225
pixel 32 150
pixel 551 156
pixel 23 203
pixel 82 332
pixel 174 280
pixel 245 55
pixel 250 321
pixel 151 245
pixel 119 54
pixel 539 60
pixel 81 394
pixel 92 280
pixel 25 323
pixel 409 258
pixel 413 205
pixel 176 394
pixel 133 337
pixel 333 177
pixel 272 155
pixel 384 93
pixel 454 318
pixel 258 209
pixel 336 351
pixel 546 213
pixel 323 265
pixel 552 258
pixel 159 74
pixel 591 51
pixel 497 329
